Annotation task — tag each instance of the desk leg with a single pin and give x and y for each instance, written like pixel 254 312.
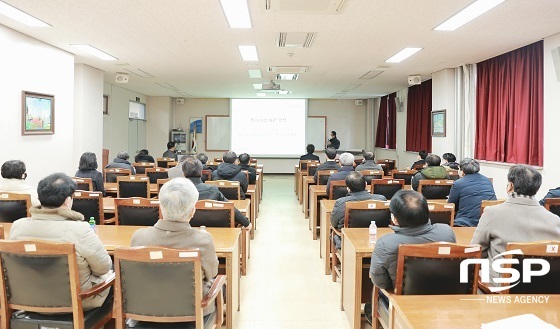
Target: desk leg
pixel 315 217
pixel 306 201
pixel 325 241
pixel 351 284
pixel 232 286
pixel 244 250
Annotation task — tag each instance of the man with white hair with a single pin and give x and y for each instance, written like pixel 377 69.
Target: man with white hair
pixel 347 162
pixel 177 199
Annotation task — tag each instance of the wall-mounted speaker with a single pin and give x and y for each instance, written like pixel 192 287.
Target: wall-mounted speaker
pixel 180 100
pixel 359 102
pixel 414 80
pixel 121 78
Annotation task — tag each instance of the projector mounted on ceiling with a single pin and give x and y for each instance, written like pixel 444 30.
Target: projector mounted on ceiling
pixel 270 87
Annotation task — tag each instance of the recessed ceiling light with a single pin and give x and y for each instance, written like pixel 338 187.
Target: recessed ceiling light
pixel 255 73
pixel 237 13
pixel 249 53
pixel 261 95
pixel 403 54
pixel 466 15
pixel 20 16
pixel 287 76
pixel 95 52
pixel 257 86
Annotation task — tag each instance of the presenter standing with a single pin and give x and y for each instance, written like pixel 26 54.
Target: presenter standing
pixel 333 142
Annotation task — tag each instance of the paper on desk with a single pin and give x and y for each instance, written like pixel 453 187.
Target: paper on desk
pixel 519 321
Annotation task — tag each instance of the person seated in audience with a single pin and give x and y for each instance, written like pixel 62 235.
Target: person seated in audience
pixel 420 159
pixel 449 161
pixel 88 169
pixel 53 220
pixel 519 219
pixel 144 156
pixel 177 200
pixel 244 159
pixel 203 158
pixel 347 161
pixel 192 170
pixel 121 161
pixel 468 192
pixel 170 153
pixel 329 164
pixel 356 184
pixel 227 170
pixel 14 175
pixel 552 193
pixel 432 171
pixel 368 163
pixel 177 171
pixel 310 155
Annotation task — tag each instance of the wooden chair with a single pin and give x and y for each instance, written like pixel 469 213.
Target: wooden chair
pixel 323 176
pixel 371 174
pixel 386 187
pixel 385 168
pixel 419 167
pixel 160 183
pixel 111 174
pixel 358 214
pixel 2 232
pixel 489 203
pixel 156 173
pixel 14 206
pixel 312 168
pixel 162 162
pixel 230 189
pixel 253 161
pixel 139 277
pixel 303 166
pixel 435 188
pixel 83 184
pixel 133 186
pixel 212 213
pixel 553 205
pixel 140 167
pixel 218 160
pixel 206 175
pixel 137 211
pixel 453 174
pixel 172 164
pixel 90 204
pixel 428 269
pixel 389 162
pixel 442 213
pixel 41 279
pixel 337 190
pixel 405 175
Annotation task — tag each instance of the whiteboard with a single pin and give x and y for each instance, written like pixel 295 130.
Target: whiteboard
pixel 218 133
pixel 316 131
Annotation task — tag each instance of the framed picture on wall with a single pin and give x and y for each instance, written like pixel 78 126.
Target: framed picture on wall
pixel 438 123
pixel 195 124
pixel 37 114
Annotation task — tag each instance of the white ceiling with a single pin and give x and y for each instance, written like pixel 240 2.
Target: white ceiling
pixel 188 43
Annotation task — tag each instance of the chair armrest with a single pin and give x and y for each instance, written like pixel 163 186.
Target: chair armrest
pixel 109 221
pixel 485 289
pixel 336 231
pixel 98 287
pixel 214 290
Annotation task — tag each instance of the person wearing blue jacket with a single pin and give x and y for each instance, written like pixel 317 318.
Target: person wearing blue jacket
pixel 468 192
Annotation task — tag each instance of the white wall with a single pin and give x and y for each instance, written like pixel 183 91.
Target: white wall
pixel 28 64
pixel 159 121
pixel 443 98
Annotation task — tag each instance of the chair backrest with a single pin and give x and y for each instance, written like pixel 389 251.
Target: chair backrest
pixel 206 175
pixel 218 160
pixel 39 276
pixel 434 269
pixel 160 183
pixel 337 189
pixel 312 168
pixel 405 175
pixel 246 172
pixel 386 187
pixel 545 250
pixel 489 203
pixel 443 213
pixel 83 184
pixel 303 165
pixel 435 188
pixel 144 272
pixel 137 211
pixel 385 168
pixel 140 167
pixel 372 174
pixel 172 164
pixel 362 213
pixel 553 205
pixel 212 213
pixel 14 206
pixel 323 176
pixel 453 174
pixel 133 186
pixel 230 189
pixel 89 204
pixel 111 174
pixel 162 162
pixel 419 166
pixel 156 173
pixel 389 162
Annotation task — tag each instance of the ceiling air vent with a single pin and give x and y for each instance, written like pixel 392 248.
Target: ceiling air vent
pixel 295 39
pixel 319 7
pixel 371 74
pixel 288 69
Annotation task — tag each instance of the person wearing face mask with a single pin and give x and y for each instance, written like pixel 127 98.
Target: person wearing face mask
pixel 14 175
pixel 333 142
pixel 519 219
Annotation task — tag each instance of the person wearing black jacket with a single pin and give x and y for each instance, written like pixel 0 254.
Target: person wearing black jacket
pixel 310 155
pixel 244 159
pixel 88 169
pixel 229 171
pixel 143 156
pixel 334 142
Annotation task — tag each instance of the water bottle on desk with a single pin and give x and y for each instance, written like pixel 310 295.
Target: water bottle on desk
pixel 92 223
pixel 372 232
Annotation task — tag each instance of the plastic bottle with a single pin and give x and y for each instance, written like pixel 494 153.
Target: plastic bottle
pixel 372 232
pixel 203 228
pixel 92 223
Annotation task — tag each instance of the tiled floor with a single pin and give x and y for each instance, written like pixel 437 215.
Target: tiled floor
pixel 285 286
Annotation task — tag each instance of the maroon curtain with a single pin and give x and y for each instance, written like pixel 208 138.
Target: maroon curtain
pixel 381 134
pixel 392 122
pixel 418 117
pixel 509 107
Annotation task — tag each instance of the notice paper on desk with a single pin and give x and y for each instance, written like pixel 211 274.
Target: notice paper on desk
pixel 519 321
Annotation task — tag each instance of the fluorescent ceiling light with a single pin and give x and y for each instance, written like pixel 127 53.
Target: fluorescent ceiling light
pixel 255 73
pixel 403 54
pixel 237 13
pixel 287 76
pixel 466 15
pixel 261 95
pixel 249 53
pixel 95 52
pixel 20 16
pixel 283 92
pixel 257 86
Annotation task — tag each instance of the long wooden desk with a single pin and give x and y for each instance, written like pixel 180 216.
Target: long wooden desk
pixel 355 249
pixel 226 241
pixel 307 181
pixel 315 193
pixel 450 311
pixel 325 224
